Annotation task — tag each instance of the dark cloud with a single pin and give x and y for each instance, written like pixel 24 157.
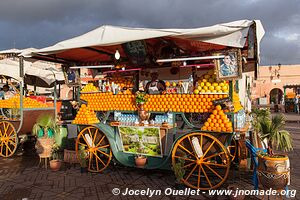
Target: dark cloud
pixel 39 23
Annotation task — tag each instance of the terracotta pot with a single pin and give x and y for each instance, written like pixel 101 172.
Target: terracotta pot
pixel 273 172
pixel 234 188
pixel 55 165
pixel 140 161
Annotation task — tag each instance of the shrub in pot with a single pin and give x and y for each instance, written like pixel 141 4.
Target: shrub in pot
pixel 179 172
pixel 274 169
pixel 55 163
pixel 44 129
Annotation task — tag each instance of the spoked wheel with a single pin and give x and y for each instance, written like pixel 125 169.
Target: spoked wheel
pixel 93 146
pixel 203 158
pixel 232 149
pixel 8 139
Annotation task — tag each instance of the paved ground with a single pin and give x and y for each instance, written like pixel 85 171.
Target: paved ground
pixel 20 178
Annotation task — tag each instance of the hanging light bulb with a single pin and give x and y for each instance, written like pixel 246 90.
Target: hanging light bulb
pixel 184 63
pixel 117 55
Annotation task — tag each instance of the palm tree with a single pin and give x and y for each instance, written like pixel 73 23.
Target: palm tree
pixel 272 130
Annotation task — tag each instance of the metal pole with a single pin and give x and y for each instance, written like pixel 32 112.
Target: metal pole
pixel 21 67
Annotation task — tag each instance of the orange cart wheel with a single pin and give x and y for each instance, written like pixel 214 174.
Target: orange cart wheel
pixel 8 139
pixel 93 146
pixel 232 149
pixel 205 169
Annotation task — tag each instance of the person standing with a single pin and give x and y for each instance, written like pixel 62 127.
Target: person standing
pixel 296 104
pixel 155 86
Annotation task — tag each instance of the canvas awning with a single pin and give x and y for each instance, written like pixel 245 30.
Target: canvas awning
pixel 33 75
pixel 77 49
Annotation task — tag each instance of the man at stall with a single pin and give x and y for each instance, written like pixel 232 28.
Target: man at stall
pixel 155 86
pixel 7 93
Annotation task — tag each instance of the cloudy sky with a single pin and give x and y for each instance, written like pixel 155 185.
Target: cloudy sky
pixel 40 23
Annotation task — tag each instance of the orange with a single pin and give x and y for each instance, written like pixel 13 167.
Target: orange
pixel 209 120
pixel 215 112
pixel 206 124
pixel 218 108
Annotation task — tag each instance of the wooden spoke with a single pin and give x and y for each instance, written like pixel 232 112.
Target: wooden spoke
pixel 96 162
pixel 100 141
pixel 207 150
pixel 199 176
pixel 206 177
pixel 214 155
pixel 218 175
pixel 183 148
pixel 190 173
pixel 105 146
pixel 214 164
pixel 95 134
pixel 82 144
pixel 7 147
pixel 103 153
pixel 184 158
pixel 90 161
pixel 212 148
pixel 99 159
pixel 185 166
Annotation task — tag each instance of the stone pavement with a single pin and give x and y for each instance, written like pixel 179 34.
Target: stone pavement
pixel 21 178
pixel 290 117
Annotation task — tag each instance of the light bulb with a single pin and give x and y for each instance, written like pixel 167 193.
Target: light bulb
pixel 184 63
pixel 117 55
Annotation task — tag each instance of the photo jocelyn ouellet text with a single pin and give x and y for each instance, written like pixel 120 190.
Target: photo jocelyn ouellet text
pixel 190 192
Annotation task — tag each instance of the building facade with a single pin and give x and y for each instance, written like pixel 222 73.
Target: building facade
pixel 272 80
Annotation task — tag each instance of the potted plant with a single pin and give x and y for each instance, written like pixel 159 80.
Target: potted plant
pixel 179 172
pixel 82 155
pixel 44 129
pixel 273 169
pixel 140 161
pixel 55 163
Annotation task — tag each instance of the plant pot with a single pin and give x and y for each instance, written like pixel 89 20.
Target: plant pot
pixel 234 188
pixel 273 172
pixel 140 161
pixel 55 165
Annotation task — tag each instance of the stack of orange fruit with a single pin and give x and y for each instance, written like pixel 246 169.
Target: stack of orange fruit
pixel 188 103
pixel 108 101
pixel 89 88
pixel 122 82
pixel 14 102
pixel 208 84
pixel 218 121
pixel 85 116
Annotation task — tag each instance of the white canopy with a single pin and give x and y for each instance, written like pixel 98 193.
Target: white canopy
pixel 231 34
pixel 11 68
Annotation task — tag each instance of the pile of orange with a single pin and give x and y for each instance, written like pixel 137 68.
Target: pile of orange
pixel 218 121
pixel 89 88
pixel 162 103
pixel 122 81
pixel 85 116
pixel 207 83
pixel 236 102
pixel 107 101
pixel 14 102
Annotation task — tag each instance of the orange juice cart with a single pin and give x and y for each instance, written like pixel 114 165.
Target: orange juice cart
pixel 118 121
pixel 19 113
